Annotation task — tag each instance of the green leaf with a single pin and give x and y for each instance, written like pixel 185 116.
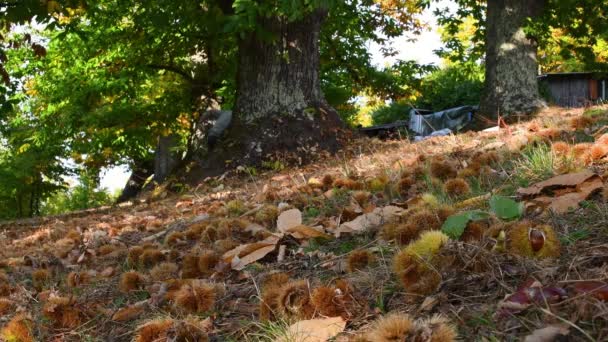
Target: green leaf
pixel 506 208
pixel 455 225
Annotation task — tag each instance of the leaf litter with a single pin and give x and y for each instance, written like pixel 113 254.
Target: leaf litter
pixel 226 256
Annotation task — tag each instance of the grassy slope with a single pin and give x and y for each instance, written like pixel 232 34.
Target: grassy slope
pixel 97 243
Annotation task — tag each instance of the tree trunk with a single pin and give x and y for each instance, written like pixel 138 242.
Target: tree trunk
pixel 511 85
pixel 141 172
pixel 280 112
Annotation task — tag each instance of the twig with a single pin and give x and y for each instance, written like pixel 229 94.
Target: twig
pixel 569 323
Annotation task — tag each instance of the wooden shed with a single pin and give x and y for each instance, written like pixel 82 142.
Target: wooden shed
pixel 575 89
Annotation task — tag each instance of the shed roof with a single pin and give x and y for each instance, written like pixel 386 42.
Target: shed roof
pixel 580 74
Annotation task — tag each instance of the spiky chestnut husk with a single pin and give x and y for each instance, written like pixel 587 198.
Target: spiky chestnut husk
pixel 164 271
pixel 430 200
pixel 207 262
pixel 392 327
pixel 359 260
pixel 581 122
pixel 6 305
pixel 328 182
pixel 74 236
pixel 457 187
pixel 133 255
pixel 174 237
pixel 439 327
pixel 155 330
pixel 62 312
pixel 151 257
pixel 533 241
pixel 402 233
pixel 405 184
pixel 195 298
pixel 224 245
pixel 294 300
pixel 442 169
pixel 488 158
pixel 190 266
pixel 189 330
pixel 348 184
pixel 76 279
pixel 235 208
pixel 413 264
pixel 425 220
pixel 267 215
pixel 128 313
pixel 474 231
pixel 18 329
pixel 106 249
pixel 131 281
pixel 362 197
pixel 271 287
pixel 40 278
pixel 597 152
pixel 62 247
pixel 328 301
pixel 468 172
pixel 580 150
pixel 377 184
pixel 561 149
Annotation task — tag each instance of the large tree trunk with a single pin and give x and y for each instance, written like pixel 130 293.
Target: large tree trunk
pixel 280 112
pixel 511 85
pixel 142 170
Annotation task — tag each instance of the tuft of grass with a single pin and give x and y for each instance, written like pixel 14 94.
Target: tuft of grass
pixel 271 331
pixel 575 236
pixel 536 163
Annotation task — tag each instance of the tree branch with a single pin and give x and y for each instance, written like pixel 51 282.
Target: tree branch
pixel 173 69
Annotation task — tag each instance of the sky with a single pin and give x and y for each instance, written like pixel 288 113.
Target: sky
pixel 421 51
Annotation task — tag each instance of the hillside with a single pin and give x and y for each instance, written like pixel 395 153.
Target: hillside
pixel 353 240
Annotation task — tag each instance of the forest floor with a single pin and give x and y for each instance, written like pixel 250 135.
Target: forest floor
pixel 347 249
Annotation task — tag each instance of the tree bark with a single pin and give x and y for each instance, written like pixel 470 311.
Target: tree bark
pixel 511 85
pixel 280 111
pixel 142 170
pixel 280 76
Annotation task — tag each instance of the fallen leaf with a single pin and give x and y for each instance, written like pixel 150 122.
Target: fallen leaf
pixel 563 200
pixel 429 303
pixel 243 255
pixel 548 334
pixel 567 180
pixel 306 232
pixel 288 219
pixel 129 313
pixel 598 289
pixel 531 292
pixel 314 330
pixel 368 221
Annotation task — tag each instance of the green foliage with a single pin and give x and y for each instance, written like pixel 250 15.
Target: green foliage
pixel 455 225
pixel 506 208
pixel 391 113
pixel 84 195
pixel 456 85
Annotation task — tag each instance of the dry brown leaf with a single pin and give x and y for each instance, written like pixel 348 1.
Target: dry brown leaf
pixel 570 201
pixel 568 180
pixel 243 255
pixel 369 221
pixel 288 219
pixel 306 232
pixel 548 334
pixel 129 313
pixel 314 330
